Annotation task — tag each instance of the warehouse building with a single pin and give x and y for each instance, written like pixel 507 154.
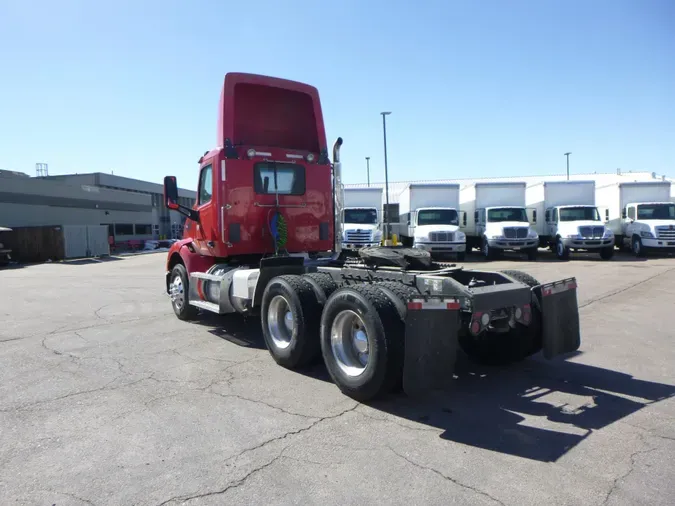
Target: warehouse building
pixel 130 208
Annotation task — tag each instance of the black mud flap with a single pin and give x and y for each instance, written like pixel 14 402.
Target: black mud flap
pixel 431 329
pixel 561 332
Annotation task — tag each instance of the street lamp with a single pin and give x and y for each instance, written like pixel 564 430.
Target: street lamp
pixel 386 174
pixel 568 165
pixel 368 168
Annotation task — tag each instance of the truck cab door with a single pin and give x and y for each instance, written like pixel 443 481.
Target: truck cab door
pixel 628 224
pixel 205 234
pixel 550 227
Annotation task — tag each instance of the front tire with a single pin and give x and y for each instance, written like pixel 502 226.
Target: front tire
pixel 638 249
pixel 179 288
pixel 461 256
pixel 532 254
pixel 362 340
pixel 561 251
pixel 607 253
pixel 290 316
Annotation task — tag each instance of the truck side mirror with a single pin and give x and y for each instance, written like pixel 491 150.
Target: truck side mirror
pixel 475 216
pixel 266 184
pixel 623 213
pixel 171 199
pixel 171 192
pixel 534 216
pixel 547 216
pixel 606 214
pixel 464 219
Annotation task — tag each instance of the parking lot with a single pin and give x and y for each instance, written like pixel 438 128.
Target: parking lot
pixel 107 398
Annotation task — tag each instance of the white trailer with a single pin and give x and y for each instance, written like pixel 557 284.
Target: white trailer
pixel 640 214
pixel 566 218
pixel 429 219
pixel 496 218
pixel 362 217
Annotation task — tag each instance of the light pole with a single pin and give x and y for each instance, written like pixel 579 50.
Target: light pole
pixel 386 174
pixel 568 165
pixel 368 168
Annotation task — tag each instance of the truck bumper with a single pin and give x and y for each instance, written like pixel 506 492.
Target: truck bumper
pixel 357 246
pixel 441 247
pixel 588 244
pixel 513 244
pixel 660 244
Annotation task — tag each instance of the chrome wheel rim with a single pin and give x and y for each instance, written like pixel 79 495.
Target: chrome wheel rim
pixel 561 250
pixel 350 343
pixel 280 322
pixel 636 246
pixel 177 292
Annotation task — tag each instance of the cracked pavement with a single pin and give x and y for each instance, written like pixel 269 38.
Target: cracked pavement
pixel 106 399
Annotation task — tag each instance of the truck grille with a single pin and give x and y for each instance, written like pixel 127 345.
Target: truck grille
pixel 441 237
pixel 515 232
pixel 358 236
pixel 665 232
pixel 592 232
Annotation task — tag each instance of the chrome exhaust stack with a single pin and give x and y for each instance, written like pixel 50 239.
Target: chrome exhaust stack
pixel 338 198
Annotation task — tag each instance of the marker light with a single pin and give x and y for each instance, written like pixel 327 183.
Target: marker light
pixel 251 153
pixel 310 157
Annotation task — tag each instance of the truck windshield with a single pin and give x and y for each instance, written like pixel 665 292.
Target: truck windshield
pixel 656 212
pixel 290 178
pixel 579 214
pixel 361 216
pixel 437 217
pixel 497 215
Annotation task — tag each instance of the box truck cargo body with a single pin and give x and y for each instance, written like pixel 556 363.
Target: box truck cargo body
pixel 429 219
pixel 496 218
pixel 362 217
pixel 640 214
pixel 566 218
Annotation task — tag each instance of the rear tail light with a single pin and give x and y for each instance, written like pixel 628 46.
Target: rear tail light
pixel 478 322
pixel 524 314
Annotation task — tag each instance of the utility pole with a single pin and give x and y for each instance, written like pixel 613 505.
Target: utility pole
pixel 386 174
pixel 568 165
pixel 368 168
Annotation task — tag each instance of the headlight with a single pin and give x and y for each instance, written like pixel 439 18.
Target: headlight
pixel 645 234
pixel 496 237
pixel 421 238
pixel 460 236
pixel 532 234
pixel 574 236
pixel 608 233
pixel 377 235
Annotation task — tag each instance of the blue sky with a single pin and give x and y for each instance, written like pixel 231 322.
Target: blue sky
pixel 483 88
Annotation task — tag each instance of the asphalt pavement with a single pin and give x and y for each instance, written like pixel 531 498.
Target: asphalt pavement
pixel 107 399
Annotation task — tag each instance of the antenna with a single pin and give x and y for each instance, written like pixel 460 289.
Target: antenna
pixel 41 170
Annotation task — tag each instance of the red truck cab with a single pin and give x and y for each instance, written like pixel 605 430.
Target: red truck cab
pixel 267 185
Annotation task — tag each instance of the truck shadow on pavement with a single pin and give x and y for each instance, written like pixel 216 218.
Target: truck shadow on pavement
pixel 538 410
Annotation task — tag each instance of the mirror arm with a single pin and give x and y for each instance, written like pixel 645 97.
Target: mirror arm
pixel 188 212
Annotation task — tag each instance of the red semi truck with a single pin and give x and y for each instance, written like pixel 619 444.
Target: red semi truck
pixel 264 238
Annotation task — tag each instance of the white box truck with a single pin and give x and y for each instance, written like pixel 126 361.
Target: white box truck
pixel 640 214
pixel 362 218
pixel 566 218
pixel 429 219
pixel 496 219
